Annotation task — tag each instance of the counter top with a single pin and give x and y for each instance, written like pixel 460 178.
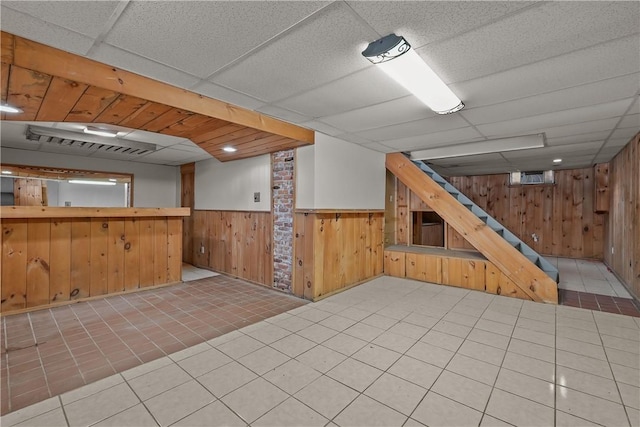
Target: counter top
pixel 73 212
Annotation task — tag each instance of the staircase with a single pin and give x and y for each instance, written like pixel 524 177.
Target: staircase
pixel 521 264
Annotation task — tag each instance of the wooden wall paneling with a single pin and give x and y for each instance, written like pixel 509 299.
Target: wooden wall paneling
pixel 299 242
pixel 187 199
pixel 4 83
pixel 402 226
pixel 60 98
pixel 309 261
pixel 147 250
pixel 557 236
pixel 319 255
pixel 587 216
pixel 99 256
pixel 174 249
pixel 38 270
pixel 576 215
pixel 473 274
pixel 390 209
pixel 395 263
pixel 14 264
pixel 601 188
pixel 160 245
pixel 217 240
pixel 131 248
pixel 546 237
pixel 415 266
pixel 377 238
pixel 145 114
pixel 80 258
pixel 201 239
pixel 166 119
pixel 27 89
pixel 452 271
pixel 60 260
pixel 92 102
pixel 27 192
pixel 122 107
pixel 115 257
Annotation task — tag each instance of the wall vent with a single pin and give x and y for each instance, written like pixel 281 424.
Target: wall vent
pixel 532 178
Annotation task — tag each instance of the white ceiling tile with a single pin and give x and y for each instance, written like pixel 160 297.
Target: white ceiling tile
pixel 584 95
pixel 353 138
pixel 283 114
pixel 535 34
pixel 117 57
pixel 578 139
pixel 605 125
pixel 378 147
pixel 189 146
pixel 437 139
pixel 26 26
pixel 626 133
pixel 438 123
pixel 478 159
pixel 587 148
pixel 543 121
pixel 367 87
pixel 84 17
pixel 168 155
pixel 606 154
pixel 617 143
pixel 323 48
pixel 427 22
pixel 630 121
pixel 322 127
pixel 607 60
pixel 227 95
pixel 202 37
pixel 385 114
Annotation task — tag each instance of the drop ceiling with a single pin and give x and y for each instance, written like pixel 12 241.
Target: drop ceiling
pixel 568 70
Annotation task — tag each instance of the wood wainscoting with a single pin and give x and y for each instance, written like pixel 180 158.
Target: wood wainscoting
pixel 56 254
pixel 234 242
pixel 463 269
pixel 334 250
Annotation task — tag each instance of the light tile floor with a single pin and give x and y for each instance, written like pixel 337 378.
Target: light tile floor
pixel 588 276
pixel 391 352
pixel 190 273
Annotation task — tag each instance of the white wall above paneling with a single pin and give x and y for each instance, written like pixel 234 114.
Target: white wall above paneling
pixel 343 176
pixel 231 185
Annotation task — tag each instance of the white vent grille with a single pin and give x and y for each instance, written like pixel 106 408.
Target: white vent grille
pixel 532 178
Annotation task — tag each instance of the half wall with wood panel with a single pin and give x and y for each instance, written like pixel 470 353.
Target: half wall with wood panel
pixel 55 254
pixel 334 250
pixel 234 242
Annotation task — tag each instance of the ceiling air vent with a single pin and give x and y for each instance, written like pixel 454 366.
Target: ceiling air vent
pixel 529 178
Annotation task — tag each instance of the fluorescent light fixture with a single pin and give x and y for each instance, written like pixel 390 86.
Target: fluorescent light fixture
pixel 113 180
pixel 100 132
pixel 7 173
pixel 524 142
pixel 230 149
pixel 393 55
pixel 6 108
pixel 557 160
pixel 82 181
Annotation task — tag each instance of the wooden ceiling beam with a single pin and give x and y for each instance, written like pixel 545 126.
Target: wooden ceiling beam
pixel 54 62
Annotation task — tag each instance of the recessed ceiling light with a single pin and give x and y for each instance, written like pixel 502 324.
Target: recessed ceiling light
pixel 230 149
pixel 100 132
pixel 6 108
pixel 7 173
pixel 82 181
pixel 394 55
pixel 557 160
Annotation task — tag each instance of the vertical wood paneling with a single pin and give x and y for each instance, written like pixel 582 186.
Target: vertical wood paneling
pixel 174 244
pixel 115 260
pixel 160 246
pixel 402 226
pixel 601 187
pixel 99 255
pixel 14 264
pixel 147 251
pixel 131 278
pixel 200 239
pixel 309 261
pixel 80 258
pixel 187 199
pixel 60 260
pixel 38 270
pixel 395 264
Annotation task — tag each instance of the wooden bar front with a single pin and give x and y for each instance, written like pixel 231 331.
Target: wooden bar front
pixel 53 255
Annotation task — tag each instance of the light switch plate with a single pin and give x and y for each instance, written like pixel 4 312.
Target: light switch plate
pixel 256 197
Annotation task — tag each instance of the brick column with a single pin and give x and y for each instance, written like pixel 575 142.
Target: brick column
pixel 283 205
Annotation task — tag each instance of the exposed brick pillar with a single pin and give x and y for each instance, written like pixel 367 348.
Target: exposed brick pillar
pixel 283 193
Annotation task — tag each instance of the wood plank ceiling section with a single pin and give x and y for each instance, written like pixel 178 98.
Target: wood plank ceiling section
pixel 56 86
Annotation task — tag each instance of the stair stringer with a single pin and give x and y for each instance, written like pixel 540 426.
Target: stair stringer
pixel 514 265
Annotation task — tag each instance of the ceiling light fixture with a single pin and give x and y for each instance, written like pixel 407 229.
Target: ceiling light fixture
pixel 394 56
pixel 524 142
pixel 7 173
pixel 82 181
pixel 6 108
pixel 557 160
pixel 113 180
pixel 100 132
pixel 230 149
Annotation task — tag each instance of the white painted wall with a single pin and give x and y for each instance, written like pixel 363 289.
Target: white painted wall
pixel 230 185
pixel 344 176
pixel 153 185
pixel 90 195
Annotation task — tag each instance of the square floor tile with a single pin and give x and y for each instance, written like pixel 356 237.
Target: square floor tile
pixel 436 410
pixel 240 346
pixel 293 345
pixel 472 368
pixel 226 378
pixel 430 354
pixel 482 352
pixel 536 351
pixel 158 381
pixel 489 421
pixel 535 337
pixel 630 395
pixel 526 386
pixel 376 356
pixel 529 366
pixel 463 390
pixel 489 338
pixel 364 332
pixel 624 374
pixel 566 420
pixel 134 416
pixel 90 389
pixel 396 393
pixel 146 367
pixel 179 402
pixel 367 412
pixel 395 342
pixel 31 411
pixel 624 358
pixel 267 333
pixel 592 408
pixel 292 376
pixel 204 362
pixel 419 320
pixel 409 330
pixel 415 371
pixel 101 405
pixel 291 413
pixel 519 411
pixel 355 374
pixel 51 418
pixel 337 322
pixel 495 327
pixel 587 383
pixel 317 333
pixel 313 315
pixel 443 340
pixel 263 360
pixel 214 414
pixel 326 396
pixel 254 399
pixel 321 358
pixel 583 363
pixel 582 348
pixel 379 321
pixel 345 344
